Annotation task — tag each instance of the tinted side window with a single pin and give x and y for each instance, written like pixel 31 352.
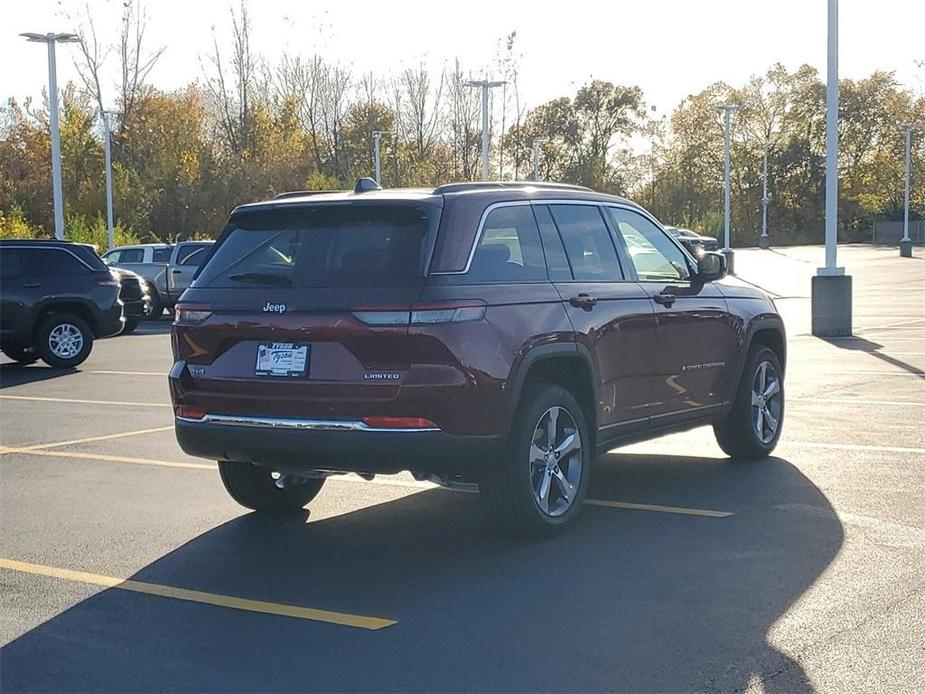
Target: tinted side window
pixel 587 241
pixel 653 254
pixel 509 249
pixel 52 262
pixel 13 263
pixel 161 255
pixel 132 255
pixel 192 254
pixel 556 261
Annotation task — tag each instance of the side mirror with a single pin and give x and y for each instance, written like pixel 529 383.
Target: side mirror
pixel 711 266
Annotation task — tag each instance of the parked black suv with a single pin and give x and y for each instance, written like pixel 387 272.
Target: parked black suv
pixel 498 334
pixel 55 299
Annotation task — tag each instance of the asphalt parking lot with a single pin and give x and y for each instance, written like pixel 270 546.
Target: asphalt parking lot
pixel 125 566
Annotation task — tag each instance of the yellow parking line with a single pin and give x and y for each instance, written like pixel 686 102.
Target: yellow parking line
pixel 89 439
pixel 76 401
pixel 198 596
pixel 660 509
pixel 109 458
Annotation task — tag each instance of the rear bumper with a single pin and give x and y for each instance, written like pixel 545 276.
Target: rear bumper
pixel 109 322
pixel 338 445
pixel 133 308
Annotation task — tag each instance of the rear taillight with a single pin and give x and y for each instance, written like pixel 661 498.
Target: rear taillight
pixel 458 313
pixel 190 412
pixel 108 282
pixel 382 317
pixel 399 423
pixel 188 314
pixel 423 314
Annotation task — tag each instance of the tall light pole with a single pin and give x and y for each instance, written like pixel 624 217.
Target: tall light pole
pixel 484 85
pixel 727 111
pixel 831 287
pixel 51 39
pixel 377 139
pixel 763 241
pixel 905 244
pixel 537 143
pixel 107 134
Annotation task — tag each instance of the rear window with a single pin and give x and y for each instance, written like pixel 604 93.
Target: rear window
pixel 132 255
pixel 161 255
pixel 323 246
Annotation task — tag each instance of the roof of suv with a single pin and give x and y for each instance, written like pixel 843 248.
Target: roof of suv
pixel 491 190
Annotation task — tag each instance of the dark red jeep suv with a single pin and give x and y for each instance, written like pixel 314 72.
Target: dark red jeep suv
pixel 492 333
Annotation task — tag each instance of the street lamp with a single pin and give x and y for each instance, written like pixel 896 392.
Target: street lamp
pixel 377 138
pixel 51 39
pixel 831 287
pixel 484 85
pixel 763 241
pixel 727 110
pixel 905 245
pixel 537 143
pixel 107 134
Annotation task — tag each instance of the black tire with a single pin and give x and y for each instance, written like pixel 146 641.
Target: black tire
pixel 738 434
pixel 130 325
pixel 509 491
pixel 157 306
pixel 254 487
pixel 47 350
pixel 19 354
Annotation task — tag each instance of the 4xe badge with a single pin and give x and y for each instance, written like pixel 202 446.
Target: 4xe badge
pixel 274 308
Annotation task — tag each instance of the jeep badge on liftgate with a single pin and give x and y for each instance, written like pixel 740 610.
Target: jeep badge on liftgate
pixel 274 308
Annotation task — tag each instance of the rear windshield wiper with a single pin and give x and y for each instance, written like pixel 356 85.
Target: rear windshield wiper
pixel 262 278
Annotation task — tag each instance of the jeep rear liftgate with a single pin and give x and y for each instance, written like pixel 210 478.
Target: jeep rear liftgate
pixel 306 308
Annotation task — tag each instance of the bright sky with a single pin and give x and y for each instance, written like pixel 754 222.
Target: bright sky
pixel 670 48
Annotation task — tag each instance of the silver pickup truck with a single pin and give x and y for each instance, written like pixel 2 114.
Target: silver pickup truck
pixel 167 269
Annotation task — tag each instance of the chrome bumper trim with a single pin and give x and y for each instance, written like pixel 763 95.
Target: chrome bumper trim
pixel 304 424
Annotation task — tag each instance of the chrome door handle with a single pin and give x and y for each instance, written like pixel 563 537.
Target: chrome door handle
pixel 583 301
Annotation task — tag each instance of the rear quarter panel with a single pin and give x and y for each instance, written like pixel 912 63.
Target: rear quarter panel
pixel 480 358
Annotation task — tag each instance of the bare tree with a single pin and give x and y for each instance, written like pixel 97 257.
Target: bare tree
pixel 335 84
pixel 463 115
pixel 135 62
pixel 322 92
pixel 418 109
pixel 232 89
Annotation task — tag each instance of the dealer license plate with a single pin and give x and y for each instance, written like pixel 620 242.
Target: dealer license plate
pixel 282 359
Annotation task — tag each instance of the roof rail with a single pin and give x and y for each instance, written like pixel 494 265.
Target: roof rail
pixel 495 185
pixel 303 193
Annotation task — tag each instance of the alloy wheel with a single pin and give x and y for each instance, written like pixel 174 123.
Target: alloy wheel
pixel 65 341
pixel 555 461
pixel 766 402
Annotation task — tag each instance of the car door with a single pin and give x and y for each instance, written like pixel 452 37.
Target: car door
pixel 189 256
pixel 697 339
pixel 18 285
pixel 612 316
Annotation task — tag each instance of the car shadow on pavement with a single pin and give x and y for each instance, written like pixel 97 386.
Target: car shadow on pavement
pixel 161 326
pixel 12 374
pixel 626 600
